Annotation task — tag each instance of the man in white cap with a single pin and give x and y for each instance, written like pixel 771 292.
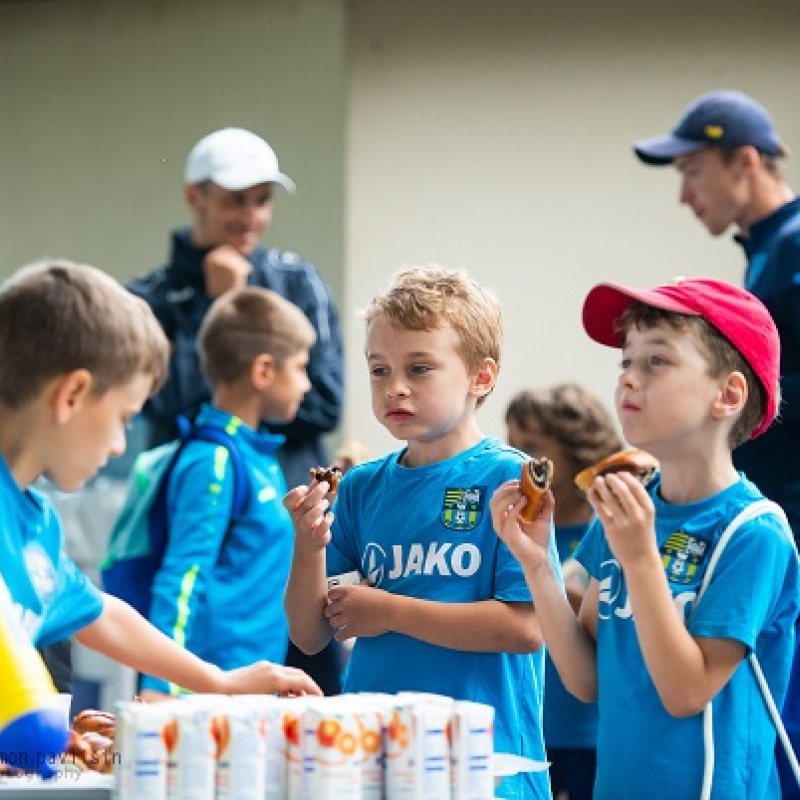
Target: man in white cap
pixel 230 180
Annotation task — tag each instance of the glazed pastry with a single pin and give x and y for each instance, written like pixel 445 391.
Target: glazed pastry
pixel 638 462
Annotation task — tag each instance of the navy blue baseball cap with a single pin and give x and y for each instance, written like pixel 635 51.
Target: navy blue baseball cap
pixel 726 118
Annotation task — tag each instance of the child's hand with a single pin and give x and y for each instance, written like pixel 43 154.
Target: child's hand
pixel 357 611
pixel 308 508
pixel 266 678
pixel 627 513
pixel 528 541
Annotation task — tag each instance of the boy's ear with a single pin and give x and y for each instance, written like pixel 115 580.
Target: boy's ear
pixel 731 397
pixel 71 391
pixel 485 377
pixel 262 371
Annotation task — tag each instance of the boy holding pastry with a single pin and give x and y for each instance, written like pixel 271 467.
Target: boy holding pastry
pixel 444 607
pixel 676 606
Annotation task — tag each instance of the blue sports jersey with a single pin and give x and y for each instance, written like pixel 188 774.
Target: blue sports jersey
pixel 426 532
pixel 752 598
pixel 219 590
pixel 568 722
pixel 53 598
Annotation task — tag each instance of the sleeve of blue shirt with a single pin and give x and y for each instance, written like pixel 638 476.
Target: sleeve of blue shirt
pixel 76 603
pixel 741 597
pixel 200 503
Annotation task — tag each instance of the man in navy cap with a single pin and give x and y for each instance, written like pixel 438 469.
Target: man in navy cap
pixel 729 155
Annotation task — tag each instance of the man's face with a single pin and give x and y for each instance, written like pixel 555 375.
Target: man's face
pixel 717 192
pixel 238 219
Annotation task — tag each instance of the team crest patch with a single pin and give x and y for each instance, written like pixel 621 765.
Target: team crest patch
pixel 462 509
pixel 682 556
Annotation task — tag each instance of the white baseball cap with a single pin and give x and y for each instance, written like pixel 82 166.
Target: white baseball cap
pixel 234 159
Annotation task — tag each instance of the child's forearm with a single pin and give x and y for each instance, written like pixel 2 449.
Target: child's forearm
pixel 487 626
pixel 305 600
pixel 123 635
pixel 570 645
pixel 687 673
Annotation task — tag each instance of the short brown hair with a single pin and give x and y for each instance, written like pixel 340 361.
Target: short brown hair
pixel 58 316
pixel 245 323
pixel 427 298
pixel 720 353
pixel 571 415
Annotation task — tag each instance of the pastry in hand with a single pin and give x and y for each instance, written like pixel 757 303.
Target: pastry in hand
pixel 537 475
pixel 638 462
pixel 331 476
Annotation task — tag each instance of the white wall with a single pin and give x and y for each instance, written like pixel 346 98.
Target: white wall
pixel 496 137
pixel 493 136
pixel 101 100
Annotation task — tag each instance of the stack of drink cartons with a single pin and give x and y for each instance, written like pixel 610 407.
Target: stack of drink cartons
pixel 407 746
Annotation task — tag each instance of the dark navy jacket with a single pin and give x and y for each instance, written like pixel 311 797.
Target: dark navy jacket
pixel 772 461
pixel 176 293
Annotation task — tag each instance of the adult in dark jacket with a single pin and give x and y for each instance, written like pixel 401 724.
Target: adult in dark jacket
pixel 231 177
pixel 727 150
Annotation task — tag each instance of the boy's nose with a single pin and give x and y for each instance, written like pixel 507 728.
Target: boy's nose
pixel 397 388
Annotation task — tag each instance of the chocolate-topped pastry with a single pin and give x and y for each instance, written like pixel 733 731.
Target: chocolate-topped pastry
pixel 331 476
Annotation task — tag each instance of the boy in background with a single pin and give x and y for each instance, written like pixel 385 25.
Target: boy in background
pixel 78 357
pixel 219 590
pixel 699 375
pixel 569 425
pixel 446 609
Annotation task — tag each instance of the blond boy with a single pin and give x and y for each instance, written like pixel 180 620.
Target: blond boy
pixel 446 608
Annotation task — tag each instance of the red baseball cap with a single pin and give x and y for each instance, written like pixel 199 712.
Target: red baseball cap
pixel 738 315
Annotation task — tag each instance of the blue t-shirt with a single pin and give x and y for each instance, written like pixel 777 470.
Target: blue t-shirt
pixel 752 598
pixel 53 598
pixel 568 722
pixel 426 532
pixel 219 591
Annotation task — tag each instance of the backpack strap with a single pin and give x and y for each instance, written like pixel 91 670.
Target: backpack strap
pixel 755 509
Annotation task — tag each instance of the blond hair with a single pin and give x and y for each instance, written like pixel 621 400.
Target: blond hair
pixel 58 316
pixel 428 298
pixel 245 323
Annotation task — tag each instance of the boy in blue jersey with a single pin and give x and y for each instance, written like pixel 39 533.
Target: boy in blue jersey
pixel 699 375
pixel 569 425
pixel 444 607
pixel 219 589
pixel 78 357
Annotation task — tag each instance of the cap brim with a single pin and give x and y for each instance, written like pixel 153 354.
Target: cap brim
pixel 607 302
pixel 662 150
pixel 236 180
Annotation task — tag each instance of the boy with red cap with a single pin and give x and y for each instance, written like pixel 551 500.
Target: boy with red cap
pixel 678 600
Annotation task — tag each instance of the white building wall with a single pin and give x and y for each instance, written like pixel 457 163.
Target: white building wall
pixel 496 136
